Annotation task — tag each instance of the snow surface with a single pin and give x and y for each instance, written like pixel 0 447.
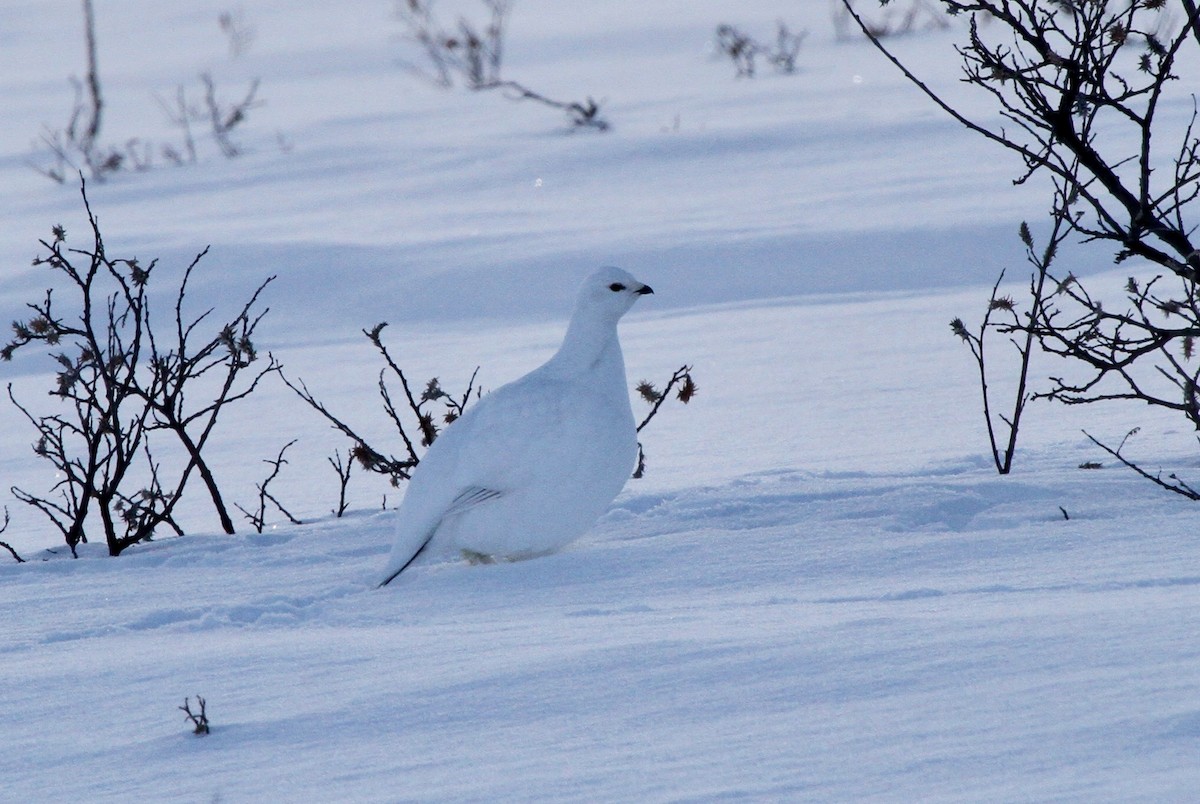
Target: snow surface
pixel 820 591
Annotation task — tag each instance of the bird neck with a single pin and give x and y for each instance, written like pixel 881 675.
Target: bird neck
pixel 590 345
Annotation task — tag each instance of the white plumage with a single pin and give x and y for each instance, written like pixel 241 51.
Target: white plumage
pixel 533 464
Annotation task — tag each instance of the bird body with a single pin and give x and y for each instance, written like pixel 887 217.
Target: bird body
pixel 532 465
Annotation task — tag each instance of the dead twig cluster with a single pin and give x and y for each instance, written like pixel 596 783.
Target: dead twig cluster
pixel 199 718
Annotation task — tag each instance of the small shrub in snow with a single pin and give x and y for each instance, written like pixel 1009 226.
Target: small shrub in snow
pixel 199 718
pixel 76 147
pixel 744 51
pixel 131 389
pixel 890 18
pixel 1003 318
pixel 258 517
pixel 471 54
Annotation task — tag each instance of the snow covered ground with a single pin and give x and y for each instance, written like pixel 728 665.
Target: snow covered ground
pixel 820 591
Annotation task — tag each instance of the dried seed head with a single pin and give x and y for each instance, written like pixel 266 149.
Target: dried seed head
pixel 429 430
pixel 648 392
pixel 687 390
pixel 433 390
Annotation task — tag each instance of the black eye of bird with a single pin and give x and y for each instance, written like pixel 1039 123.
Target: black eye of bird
pixel 616 287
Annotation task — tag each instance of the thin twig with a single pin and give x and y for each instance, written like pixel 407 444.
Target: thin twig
pixel 6 545
pixel 1179 486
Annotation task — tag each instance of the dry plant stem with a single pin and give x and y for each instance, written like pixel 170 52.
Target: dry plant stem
pixel 371 459
pixel 582 115
pixel 6 545
pixel 1178 486
pixel 1022 336
pixel 342 468
pixel 92 130
pixel 683 374
pixel 683 378
pixel 976 343
pixel 258 518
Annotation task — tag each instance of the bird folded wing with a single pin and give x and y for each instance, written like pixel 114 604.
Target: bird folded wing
pixel 471 497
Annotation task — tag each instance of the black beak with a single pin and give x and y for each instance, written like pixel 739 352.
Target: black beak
pixel 644 289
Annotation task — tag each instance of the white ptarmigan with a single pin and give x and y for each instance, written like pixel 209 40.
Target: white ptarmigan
pixel 533 464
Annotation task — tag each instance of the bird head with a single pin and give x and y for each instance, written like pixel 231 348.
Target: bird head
pixel 610 292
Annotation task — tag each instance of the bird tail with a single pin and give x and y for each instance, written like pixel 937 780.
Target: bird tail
pixel 392 576
pixel 405 551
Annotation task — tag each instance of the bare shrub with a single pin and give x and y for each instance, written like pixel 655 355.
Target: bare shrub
pixel 199 718
pixel 64 152
pixel 124 379
pixel 417 420
pixel 744 51
pixel 471 54
pixel 1060 74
